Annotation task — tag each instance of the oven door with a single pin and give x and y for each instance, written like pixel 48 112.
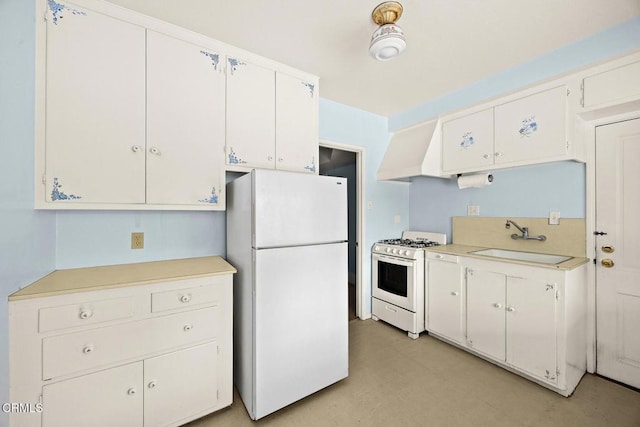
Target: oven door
pixel 393 280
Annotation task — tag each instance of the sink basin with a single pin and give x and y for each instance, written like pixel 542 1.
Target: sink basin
pixel 523 256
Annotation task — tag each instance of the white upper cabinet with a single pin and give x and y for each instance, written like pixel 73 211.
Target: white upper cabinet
pixel 296 124
pixel 95 108
pixel 621 84
pixel 185 122
pixel 532 128
pixel 250 114
pixel 529 130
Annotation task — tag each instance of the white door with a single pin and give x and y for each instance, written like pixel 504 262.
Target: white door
pixel 445 299
pixel 486 312
pixel 467 142
pixel 301 323
pixel 298 209
pixel 107 398
pixel 174 389
pixel 251 115
pixel 296 124
pixel 95 107
pixel 185 122
pixel 618 252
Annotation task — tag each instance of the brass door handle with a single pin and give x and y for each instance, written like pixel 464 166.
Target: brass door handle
pixel 608 263
pixel 607 249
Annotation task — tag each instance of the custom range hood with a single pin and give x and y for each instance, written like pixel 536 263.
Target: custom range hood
pixel 414 151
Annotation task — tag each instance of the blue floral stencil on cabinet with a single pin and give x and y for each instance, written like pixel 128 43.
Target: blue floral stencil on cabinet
pixel 234 64
pixel 312 167
pixel 529 126
pixel 309 86
pixel 467 140
pixel 213 199
pixel 234 159
pixel 56 194
pixel 215 58
pixel 57 9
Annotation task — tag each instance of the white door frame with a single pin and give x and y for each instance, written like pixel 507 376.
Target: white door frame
pixel 587 130
pixel 360 235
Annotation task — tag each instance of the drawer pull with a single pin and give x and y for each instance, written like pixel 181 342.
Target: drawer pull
pixel 497 305
pixel 152 384
pixel 185 298
pixel 131 391
pixel 87 349
pixel 439 256
pixel 455 293
pixel 85 314
pixel 187 328
pixel 511 309
pixel 386 307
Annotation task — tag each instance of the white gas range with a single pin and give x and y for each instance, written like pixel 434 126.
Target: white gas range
pixel 397 279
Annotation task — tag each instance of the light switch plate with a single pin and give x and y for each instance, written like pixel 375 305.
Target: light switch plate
pixel 473 210
pixel 554 218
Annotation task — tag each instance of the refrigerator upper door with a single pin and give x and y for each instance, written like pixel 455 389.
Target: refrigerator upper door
pixel 291 209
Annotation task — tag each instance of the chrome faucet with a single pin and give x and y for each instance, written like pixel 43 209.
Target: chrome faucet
pixel 524 231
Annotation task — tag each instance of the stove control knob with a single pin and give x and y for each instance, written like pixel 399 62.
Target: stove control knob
pixel 394 251
pixel 388 250
pixel 407 253
pixel 376 248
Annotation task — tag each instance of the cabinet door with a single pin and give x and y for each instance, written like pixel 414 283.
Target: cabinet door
pixel 185 122
pixel 531 327
pixel 180 385
pixel 532 128
pixel 296 124
pixel 250 115
pixel 445 299
pixel 95 107
pixel 112 397
pixel 467 142
pixel 486 312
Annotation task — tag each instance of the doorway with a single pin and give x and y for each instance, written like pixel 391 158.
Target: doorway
pixel 341 160
pixel 617 239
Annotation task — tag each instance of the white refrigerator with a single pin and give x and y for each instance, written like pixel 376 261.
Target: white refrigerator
pixel 287 237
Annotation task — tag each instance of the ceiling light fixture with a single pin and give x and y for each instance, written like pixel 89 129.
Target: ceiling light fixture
pixel 387 41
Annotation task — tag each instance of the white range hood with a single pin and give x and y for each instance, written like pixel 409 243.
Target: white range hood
pixel 414 151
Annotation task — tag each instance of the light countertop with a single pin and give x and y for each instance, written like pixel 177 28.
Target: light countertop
pixel 86 279
pixel 464 250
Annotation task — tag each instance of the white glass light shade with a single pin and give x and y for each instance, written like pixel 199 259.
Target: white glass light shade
pixel 387 42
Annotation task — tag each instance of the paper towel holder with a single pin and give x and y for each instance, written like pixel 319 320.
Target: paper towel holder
pixel 489 178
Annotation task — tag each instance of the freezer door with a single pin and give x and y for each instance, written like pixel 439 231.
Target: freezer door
pixel 301 316
pixel 297 209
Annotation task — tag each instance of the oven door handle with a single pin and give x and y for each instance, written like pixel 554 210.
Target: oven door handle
pixel 392 260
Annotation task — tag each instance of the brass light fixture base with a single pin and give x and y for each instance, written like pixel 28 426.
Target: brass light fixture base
pixel 387 13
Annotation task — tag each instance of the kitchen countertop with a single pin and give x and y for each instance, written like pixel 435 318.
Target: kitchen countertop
pixel 62 282
pixel 464 250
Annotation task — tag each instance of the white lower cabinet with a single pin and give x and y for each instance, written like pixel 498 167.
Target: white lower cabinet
pixel 530 320
pixel 162 367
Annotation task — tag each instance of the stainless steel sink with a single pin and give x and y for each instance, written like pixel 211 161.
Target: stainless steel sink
pixel 523 256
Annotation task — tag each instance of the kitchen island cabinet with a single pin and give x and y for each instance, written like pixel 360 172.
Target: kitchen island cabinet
pixel 139 344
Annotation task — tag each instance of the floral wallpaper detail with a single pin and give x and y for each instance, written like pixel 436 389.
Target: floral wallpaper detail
pixel 215 58
pixel 234 63
pixel 57 9
pixel 234 159
pixel 467 140
pixel 312 167
pixel 213 199
pixel 56 194
pixel 309 86
pixel 529 126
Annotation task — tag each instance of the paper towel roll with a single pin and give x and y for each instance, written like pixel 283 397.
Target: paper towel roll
pixel 475 180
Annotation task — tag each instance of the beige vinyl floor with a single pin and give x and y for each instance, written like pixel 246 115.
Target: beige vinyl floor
pixel 396 381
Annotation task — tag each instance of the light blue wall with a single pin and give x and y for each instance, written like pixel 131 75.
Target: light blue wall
pixel 27 245
pixel 530 191
pixel 340 123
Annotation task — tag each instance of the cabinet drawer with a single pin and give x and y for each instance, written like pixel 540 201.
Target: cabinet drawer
pixel 185 298
pixel 442 257
pixel 84 313
pixel 66 354
pixel 390 313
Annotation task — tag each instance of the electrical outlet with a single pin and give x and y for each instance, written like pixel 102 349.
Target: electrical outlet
pixel 554 218
pixel 473 210
pixel 396 219
pixel 137 240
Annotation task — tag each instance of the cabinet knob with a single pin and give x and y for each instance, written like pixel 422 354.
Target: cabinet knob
pixel 497 305
pixel 187 327
pixel 270 158
pixel 185 298
pixel 498 154
pixel 152 384
pixel 511 309
pixel 88 349
pixel 486 156
pixel 85 314
pixel 136 148
pixel 280 159
pixel 131 391
pixel 455 293
pixel 154 150
pixel 439 256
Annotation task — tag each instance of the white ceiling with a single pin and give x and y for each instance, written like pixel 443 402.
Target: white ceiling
pixel 450 43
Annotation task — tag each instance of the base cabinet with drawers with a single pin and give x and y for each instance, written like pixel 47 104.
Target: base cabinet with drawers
pixel 150 352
